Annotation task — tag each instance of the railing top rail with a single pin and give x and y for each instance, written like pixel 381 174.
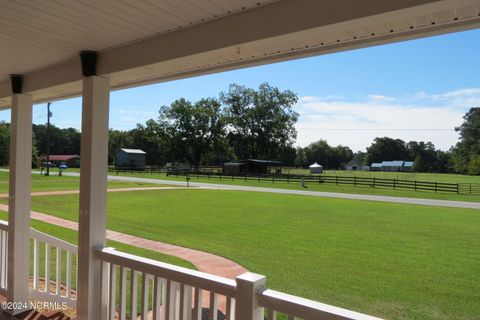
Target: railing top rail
pixel 67 246
pixel 186 276
pixel 307 309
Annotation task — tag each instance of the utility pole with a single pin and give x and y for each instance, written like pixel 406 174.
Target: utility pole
pixel 49 114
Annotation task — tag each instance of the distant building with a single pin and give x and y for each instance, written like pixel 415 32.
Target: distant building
pixel 316 168
pixel 130 158
pixel 353 165
pixel 408 166
pixel 393 166
pixel 251 166
pixel 71 160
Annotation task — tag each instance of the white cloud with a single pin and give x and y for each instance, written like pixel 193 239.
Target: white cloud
pixel 422 116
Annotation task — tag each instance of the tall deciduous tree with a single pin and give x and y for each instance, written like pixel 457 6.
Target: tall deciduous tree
pixel 386 149
pixel 468 147
pixel 196 130
pixel 261 122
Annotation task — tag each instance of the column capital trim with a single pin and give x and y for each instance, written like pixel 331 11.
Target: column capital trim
pixel 89 63
pixel 17 83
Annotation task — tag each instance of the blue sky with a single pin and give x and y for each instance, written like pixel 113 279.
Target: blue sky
pixel 414 90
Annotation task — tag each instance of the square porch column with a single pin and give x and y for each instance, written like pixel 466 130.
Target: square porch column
pixel 19 200
pixel 93 196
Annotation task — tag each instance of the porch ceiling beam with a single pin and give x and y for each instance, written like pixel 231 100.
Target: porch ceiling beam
pixel 286 18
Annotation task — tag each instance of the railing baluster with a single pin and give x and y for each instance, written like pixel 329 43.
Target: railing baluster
pixel 112 292
pixel 47 267
pixel 198 303
pixel 2 261
pixel 36 262
pixel 163 309
pixel 68 275
pixel 58 272
pixel 170 301
pixel 144 296
pixel 228 308
pixel 213 314
pixel 123 294
pixel 157 292
pixel 185 302
pixel 105 288
pixel 272 314
pixel 133 294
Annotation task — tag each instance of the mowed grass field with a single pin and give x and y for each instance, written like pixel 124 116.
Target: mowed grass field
pixel 55 183
pixel 312 186
pixel 391 260
pixel 438 177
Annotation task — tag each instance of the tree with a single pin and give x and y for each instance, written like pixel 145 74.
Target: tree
pixel 300 158
pixel 425 152
pixel 386 149
pixel 261 123
pixel 469 145
pixel 197 130
pixel 474 166
pixel 4 143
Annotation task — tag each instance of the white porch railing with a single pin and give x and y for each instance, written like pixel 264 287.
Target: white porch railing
pixel 136 287
pixel 53 267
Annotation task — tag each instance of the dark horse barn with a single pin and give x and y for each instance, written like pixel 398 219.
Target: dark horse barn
pixel 251 166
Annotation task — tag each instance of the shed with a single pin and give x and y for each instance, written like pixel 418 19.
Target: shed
pixel 130 158
pixel 353 165
pixel 376 166
pixel 316 168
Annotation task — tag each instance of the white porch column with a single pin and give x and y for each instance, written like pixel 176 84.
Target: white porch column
pixel 93 195
pixel 19 199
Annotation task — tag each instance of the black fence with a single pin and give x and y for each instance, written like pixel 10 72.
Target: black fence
pixel 395 184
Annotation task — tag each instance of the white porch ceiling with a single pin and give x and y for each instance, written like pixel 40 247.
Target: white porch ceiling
pixel 157 40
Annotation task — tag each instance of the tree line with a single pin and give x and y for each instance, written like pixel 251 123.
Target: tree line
pixel 245 123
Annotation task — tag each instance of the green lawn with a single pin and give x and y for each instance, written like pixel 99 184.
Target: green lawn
pixel 54 183
pixel 319 187
pixel 391 260
pixel 438 177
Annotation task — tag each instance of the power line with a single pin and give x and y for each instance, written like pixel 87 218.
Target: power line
pixel 381 129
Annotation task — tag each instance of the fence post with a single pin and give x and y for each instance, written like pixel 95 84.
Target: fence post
pixel 336 180
pixel 374 182
pixel 394 183
pixel 435 186
pixel 458 189
pixel 246 304
pixel 415 185
pixel 470 188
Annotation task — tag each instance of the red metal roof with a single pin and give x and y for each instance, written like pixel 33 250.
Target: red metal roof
pixel 61 157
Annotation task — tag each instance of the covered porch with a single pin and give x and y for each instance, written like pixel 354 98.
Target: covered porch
pixel 51 51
